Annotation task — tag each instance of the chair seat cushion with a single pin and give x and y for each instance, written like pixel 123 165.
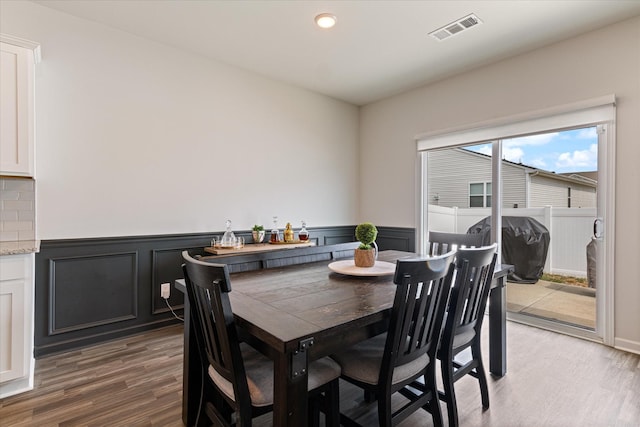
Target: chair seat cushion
pixel 362 362
pixel 259 372
pixel 463 337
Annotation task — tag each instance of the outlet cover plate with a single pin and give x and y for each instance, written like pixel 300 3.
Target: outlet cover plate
pixel 165 290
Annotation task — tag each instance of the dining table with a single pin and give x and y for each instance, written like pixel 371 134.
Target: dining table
pixel 300 313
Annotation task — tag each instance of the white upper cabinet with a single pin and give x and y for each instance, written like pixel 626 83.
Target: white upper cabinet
pixel 17 106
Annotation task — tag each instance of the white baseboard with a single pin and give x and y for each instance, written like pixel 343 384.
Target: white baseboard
pixel 627 345
pixel 16 386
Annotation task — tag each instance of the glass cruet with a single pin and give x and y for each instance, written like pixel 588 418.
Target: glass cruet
pixel 303 234
pixel 228 238
pixel 275 234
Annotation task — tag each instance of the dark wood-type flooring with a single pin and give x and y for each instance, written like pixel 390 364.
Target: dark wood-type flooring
pixel 552 380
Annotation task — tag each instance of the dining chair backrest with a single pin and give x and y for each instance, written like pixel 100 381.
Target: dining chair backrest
pixel 462 329
pixel 422 292
pixel 474 273
pixel 440 242
pixel 208 286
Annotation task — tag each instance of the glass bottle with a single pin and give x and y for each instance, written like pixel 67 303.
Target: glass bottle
pixel 275 233
pixel 228 238
pixel 303 234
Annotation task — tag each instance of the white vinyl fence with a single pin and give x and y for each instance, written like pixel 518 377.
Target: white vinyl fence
pixel 570 230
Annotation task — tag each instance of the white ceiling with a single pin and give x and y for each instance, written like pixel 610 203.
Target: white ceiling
pixel 377 49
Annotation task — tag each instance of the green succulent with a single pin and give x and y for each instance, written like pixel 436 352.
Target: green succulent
pixel 366 234
pixel 258 228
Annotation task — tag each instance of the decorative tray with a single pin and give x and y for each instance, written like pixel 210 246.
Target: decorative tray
pixel 348 267
pixel 295 242
pixel 256 247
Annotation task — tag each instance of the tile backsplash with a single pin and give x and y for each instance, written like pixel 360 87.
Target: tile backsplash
pixel 17 209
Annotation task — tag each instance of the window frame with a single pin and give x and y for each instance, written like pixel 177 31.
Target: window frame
pixel 486 194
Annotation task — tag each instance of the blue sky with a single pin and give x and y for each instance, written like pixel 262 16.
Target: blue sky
pixel 566 151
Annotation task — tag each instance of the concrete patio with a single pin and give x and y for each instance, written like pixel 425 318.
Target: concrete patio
pixel 569 304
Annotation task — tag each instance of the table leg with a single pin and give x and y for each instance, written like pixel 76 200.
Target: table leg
pixel 498 328
pixel 290 393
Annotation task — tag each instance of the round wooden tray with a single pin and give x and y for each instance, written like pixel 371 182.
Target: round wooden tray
pixel 347 266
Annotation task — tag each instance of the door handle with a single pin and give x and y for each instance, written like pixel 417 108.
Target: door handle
pixel 597 226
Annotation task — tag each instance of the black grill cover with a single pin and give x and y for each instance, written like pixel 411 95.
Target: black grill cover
pixel 525 243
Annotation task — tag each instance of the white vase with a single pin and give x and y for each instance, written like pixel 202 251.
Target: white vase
pixel 258 236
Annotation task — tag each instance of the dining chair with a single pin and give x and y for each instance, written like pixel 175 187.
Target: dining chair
pixel 239 379
pixel 467 303
pixel 392 362
pixel 440 242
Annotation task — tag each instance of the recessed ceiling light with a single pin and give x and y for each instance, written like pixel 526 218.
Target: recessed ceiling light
pixel 326 20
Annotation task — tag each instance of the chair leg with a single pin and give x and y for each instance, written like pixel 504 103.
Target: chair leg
pixel 436 412
pixel 433 406
pixel 214 416
pixel 332 409
pixel 384 409
pixel 313 415
pixel 449 392
pixel 369 396
pixel 214 407
pixel 327 400
pixel 481 375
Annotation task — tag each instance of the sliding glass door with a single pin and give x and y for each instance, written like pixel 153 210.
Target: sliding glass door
pixel 547 192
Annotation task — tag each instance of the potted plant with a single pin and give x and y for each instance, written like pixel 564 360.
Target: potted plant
pixel 257 232
pixel 365 255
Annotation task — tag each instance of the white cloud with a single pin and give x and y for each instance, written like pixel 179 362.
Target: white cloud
pixel 584 159
pixel 513 154
pixel 538 162
pixel 541 139
pixel 485 149
pixel 588 133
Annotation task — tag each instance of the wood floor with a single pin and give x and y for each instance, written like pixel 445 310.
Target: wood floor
pixel 552 380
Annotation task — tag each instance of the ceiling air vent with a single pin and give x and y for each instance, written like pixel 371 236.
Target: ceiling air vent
pixel 456 27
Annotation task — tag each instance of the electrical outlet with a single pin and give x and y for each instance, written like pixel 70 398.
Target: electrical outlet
pixel 165 290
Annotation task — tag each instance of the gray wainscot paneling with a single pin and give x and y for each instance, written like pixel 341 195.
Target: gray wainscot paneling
pixel 93 290
pixel 88 291
pixel 396 238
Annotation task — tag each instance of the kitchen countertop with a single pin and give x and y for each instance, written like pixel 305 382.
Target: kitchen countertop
pixel 19 247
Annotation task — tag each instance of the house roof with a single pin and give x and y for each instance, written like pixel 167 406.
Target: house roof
pixel 582 178
pixel 592 175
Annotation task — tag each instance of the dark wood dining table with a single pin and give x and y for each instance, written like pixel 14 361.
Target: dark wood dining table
pixel 297 314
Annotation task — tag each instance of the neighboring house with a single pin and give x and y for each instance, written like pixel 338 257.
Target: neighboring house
pixel 462 178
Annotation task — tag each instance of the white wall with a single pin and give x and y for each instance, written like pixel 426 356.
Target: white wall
pixel 136 138
pixel 599 63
